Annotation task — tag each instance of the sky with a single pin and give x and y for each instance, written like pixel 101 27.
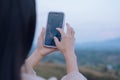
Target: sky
pixel 92 20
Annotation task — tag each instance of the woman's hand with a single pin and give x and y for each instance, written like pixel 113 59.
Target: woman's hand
pixel 66 46
pixel 40 52
pixel 40 45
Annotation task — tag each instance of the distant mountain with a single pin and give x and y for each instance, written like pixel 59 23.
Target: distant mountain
pixel 113 44
pixel 92 54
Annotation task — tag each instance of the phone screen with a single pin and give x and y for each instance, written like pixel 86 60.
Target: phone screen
pixel 55 20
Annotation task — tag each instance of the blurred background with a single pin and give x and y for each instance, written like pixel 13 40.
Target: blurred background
pixel 97 46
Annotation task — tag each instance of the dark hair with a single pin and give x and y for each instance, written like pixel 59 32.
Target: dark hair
pixel 17 26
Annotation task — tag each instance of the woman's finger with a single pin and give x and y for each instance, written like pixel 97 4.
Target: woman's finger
pixel 61 31
pixel 68 28
pixel 72 32
pixel 71 29
pixel 56 41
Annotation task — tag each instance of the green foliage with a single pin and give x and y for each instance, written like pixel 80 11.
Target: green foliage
pixel 48 70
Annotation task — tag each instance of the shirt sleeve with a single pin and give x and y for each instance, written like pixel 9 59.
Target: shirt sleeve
pixel 74 76
pixel 27 73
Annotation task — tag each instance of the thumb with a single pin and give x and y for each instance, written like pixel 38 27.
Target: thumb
pixel 56 41
pixel 43 33
pixel 41 37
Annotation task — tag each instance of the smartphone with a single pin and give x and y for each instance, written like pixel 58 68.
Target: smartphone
pixel 55 20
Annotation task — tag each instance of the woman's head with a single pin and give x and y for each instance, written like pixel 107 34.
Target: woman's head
pixel 17 26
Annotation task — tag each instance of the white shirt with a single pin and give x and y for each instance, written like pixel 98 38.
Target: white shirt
pixel 27 73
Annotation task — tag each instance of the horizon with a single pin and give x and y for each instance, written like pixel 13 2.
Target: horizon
pixel 92 20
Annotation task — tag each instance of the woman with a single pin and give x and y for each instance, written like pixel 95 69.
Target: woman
pixel 17 26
